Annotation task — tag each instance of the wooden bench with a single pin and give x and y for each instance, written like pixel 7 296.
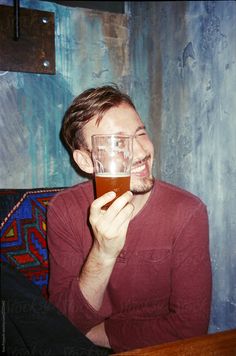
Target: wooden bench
pixel 218 344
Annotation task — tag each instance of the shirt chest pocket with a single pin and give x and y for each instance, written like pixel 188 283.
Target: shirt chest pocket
pixel 144 275
pixel 152 272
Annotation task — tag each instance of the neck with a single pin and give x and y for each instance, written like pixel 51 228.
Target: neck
pixel 139 200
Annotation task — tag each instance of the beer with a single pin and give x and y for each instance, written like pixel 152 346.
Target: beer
pixel 112 160
pixel 106 182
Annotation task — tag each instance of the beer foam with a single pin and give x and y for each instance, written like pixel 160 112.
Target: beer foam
pixel 112 175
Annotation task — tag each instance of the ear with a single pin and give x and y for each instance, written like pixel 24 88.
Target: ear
pixel 83 160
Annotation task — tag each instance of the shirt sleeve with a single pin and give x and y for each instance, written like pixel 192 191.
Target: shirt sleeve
pixel 190 299
pixel 66 258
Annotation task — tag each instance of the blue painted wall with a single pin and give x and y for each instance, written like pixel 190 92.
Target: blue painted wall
pixel 91 50
pixel 183 70
pixel 178 61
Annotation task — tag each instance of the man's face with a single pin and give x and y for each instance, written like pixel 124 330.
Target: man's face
pixel 125 120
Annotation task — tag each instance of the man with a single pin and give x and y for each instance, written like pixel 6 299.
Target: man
pixel 139 273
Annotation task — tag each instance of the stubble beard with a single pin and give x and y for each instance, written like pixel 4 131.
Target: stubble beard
pixel 144 185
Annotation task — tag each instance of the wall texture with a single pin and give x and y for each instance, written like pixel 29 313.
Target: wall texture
pixel 183 66
pixel 178 61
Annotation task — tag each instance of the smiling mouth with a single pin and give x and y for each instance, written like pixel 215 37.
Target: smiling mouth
pixel 141 167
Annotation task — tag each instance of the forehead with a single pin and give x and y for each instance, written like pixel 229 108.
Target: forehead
pixel 120 119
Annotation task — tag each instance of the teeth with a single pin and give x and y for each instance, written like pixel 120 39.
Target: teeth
pixel 138 169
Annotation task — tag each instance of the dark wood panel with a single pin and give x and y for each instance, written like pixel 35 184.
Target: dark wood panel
pixel 34 52
pixel 218 344
pixel 110 6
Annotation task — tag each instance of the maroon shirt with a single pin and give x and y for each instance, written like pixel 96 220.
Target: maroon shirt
pixel 160 287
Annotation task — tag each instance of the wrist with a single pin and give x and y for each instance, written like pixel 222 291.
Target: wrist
pixel 94 277
pixel 102 258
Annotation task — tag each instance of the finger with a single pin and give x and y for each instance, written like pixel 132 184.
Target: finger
pixel 101 201
pixel 123 218
pixel 118 205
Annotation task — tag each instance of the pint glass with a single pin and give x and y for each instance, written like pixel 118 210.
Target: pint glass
pixel 112 158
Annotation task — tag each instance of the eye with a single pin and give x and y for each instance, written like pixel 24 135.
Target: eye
pixel 141 133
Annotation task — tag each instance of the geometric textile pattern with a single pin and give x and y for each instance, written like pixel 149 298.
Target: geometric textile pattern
pixel 23 236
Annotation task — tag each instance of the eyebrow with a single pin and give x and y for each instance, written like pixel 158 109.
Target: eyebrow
pixel 139 128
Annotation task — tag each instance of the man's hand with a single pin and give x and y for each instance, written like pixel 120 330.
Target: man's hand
pixel 98 336
pixel 110 226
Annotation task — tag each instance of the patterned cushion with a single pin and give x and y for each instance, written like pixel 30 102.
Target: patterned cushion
pixel 23 232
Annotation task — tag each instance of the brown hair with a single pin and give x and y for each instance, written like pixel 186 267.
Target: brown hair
pixel 91 103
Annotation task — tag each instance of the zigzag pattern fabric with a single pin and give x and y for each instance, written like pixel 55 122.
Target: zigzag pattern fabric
pixel 23 237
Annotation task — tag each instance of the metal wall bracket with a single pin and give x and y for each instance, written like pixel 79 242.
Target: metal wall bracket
pixel 27 40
